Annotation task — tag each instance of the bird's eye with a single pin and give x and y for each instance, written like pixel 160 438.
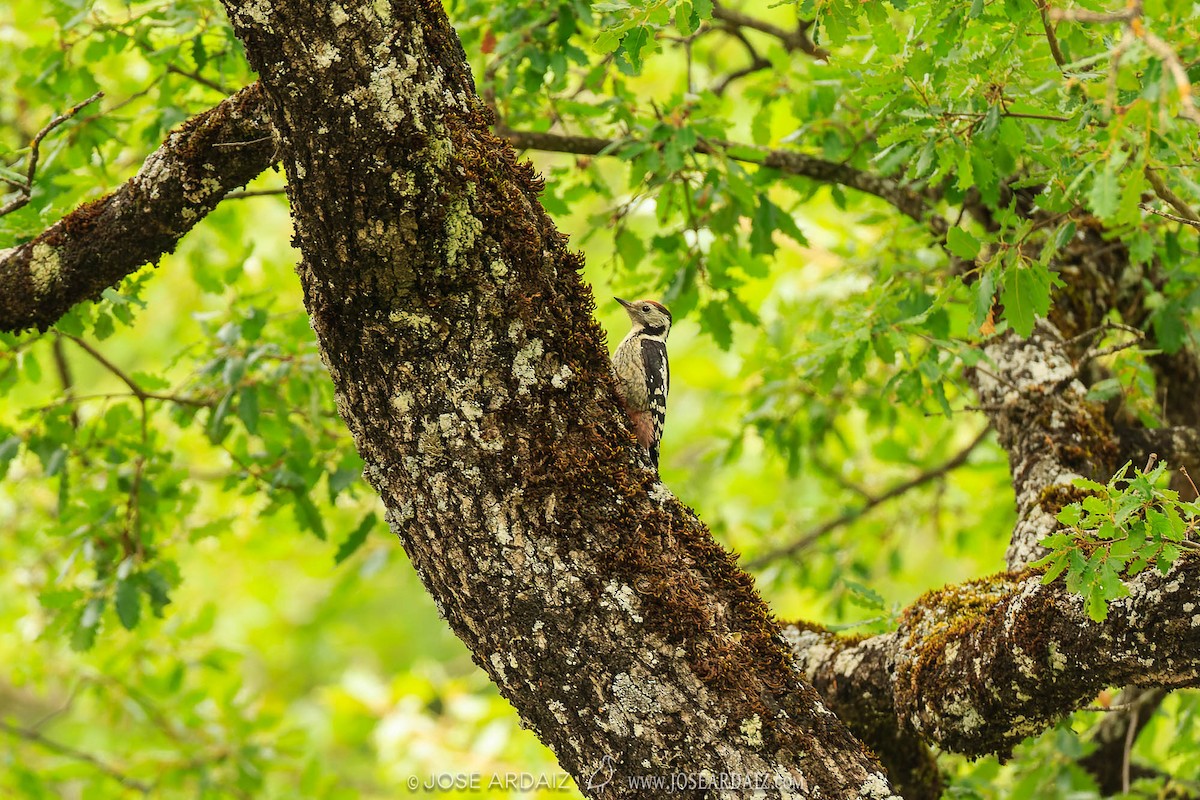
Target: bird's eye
pixel 646 309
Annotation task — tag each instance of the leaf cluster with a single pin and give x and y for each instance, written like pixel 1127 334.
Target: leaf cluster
pixel 1118 530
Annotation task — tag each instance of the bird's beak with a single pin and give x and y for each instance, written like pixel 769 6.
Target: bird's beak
pixel 625 303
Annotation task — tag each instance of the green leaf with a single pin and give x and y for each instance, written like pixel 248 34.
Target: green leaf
pixel 307 515
pixel 247 409
pixel 83 637
pixel 630 248
pixel 1097 604
pixel 714 320
pixel 962 244
pixel 1069 515
pixel 1057 565
pixel 1105 196
pixel 864 596
pixel 128 603
pixel 8 451
pixel 1026 296
pixel 356 538
pixel 218 428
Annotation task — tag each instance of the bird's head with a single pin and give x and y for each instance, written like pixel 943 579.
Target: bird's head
pixel 649 316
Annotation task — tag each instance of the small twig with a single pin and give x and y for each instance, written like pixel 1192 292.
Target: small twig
pixel 1135 28
pixel 64 376
pixel 1167 195
pixel 1190 222
pixel 1150 462
pixel 1104 327
pixel 1083 15
pixel 808 539
pixel 78 755
pixel 1130 733
pixel 721 86
pixel 250 143
pixel 792 40
pixel 198 78
pixel 1051 37
pixel 1182 84
pixel 1189 480
pixel 255 193
pixel 26 190
pixel 137 391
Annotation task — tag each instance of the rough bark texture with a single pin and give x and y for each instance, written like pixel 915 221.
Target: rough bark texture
pixel 98 244
pixel 469 368
pixel 1032 393
pixel 976 668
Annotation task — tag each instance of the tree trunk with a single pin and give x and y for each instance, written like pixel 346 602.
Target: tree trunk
pixel 468 365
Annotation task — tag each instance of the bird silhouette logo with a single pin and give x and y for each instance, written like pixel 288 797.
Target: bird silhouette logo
pixel 602 776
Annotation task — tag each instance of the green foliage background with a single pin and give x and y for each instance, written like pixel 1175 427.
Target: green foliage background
pixel 198 594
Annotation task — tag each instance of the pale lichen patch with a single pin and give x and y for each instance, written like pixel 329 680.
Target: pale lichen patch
pixel 498 665
pixel 875 787
pixel 560 378
pixel 752 731
pixel 403 402
pixel 622 597
pixel 327 55
pixel 461 226
pixel 524 367
pixel 660 493
pixel 44 267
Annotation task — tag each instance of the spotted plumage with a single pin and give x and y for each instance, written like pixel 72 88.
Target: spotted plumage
pixel 643 373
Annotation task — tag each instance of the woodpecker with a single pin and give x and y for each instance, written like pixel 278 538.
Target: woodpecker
pixel 642 373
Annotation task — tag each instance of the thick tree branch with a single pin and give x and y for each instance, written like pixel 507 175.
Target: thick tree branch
pixel 1177 445
pixel 99 243
pixel 976 668
pixel 909 201
pixel 1031 391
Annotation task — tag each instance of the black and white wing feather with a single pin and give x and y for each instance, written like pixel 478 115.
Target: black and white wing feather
pixel 658 384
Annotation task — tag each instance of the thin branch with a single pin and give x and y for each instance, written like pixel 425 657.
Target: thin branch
pixel 1191 222
pixel 808 539
pixel 792 40
pixel 721 86
pixel 100 358
pixel 198 78
pixel 1135 27
pixel 1126 755
pixel 1083 15
pixel 25 190
pixel 1182 84
pixel 1051 37
pixel 256 193
pixel 1167 195
pixel 134 388
pixel 77 755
